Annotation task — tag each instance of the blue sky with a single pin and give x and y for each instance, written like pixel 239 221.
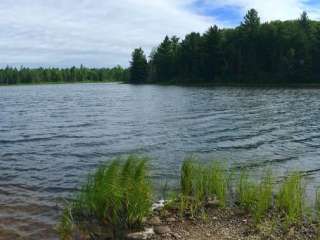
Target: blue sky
pixel 99 33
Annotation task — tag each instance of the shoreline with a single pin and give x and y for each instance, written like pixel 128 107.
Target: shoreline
pixel 55 83
pixel 219 224
pixel 116 203
pixel 200 85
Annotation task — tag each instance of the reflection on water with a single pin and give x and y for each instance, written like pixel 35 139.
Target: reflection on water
pixel 52 135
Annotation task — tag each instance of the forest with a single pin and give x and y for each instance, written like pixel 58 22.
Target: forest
pixel 23 75
pixel 276 52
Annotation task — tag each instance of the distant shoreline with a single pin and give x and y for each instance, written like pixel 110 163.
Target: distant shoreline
pixel 55 83
pixel 209 85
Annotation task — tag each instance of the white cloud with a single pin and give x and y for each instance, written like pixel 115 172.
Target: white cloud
pixel 104 32
pixel 93 32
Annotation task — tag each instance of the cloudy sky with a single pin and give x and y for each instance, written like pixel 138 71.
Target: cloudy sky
pixel 98 33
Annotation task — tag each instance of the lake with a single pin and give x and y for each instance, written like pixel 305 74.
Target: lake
pixel 52 136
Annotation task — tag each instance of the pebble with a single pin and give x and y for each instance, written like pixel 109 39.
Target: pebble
pixel 158 205
pixel 162 230
pixel 146 234
pixel 176 235
pixel 213 203
pixel 171 219
pixel 154 221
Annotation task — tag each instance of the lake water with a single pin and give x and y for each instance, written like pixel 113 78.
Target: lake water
pixel 51 136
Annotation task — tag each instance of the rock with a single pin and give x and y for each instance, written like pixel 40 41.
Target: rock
pixel 158 205
pixel 171 219
pixel 291 232
pixel 187 233
pixel 146 234
pixel 176 235
pixel 162 230
pixel 213 203
pixel 154 221
pixel 165 213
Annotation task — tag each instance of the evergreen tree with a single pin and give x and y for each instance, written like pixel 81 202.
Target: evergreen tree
pixel 138 67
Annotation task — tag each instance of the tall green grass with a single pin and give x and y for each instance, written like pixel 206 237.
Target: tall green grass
pixel 200 183
pixel 255 197
pixel 264 200
pixel 246 191
pixel 218 182
pixel 117 196
pixel 290 198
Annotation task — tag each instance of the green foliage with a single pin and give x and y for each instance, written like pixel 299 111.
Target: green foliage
pixel 257 198
pixel 67 75
pixel 290 198
pixel 66 225
pixel 264 201
pixel 218 182
pixel 200 183
pixel 317 204
pixel 275 52
pixel 138 67
pixel 246 191
pixel 186 182
pixel 117 196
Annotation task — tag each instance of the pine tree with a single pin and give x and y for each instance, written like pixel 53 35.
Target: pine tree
pixel 138 67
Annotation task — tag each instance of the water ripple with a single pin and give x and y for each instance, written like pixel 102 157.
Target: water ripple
pixel 51 136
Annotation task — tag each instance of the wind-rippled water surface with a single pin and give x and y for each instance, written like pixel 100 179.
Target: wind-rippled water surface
pixel 51 136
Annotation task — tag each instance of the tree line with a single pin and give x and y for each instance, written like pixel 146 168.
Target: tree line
pixel 22 75
pixel 253 52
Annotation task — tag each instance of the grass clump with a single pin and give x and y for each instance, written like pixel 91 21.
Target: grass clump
pixel 257 198
pixel 200 183
pixel 218 182
pixel 117 196
pixel 193 187
pixel 246 191
pixel 290 199
pixel 264 200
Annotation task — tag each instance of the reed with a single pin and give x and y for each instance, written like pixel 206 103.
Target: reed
pixel 218 182
pixel 117 196
pixel 264 197
pixel 290 198
pixel 246 191
pixel 202 182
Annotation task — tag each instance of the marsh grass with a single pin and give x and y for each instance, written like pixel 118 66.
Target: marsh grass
pixel 219 182
pixel 117 196
pixel 255 197
pixel 246 191
pixel 202 182
pixel 264 196
pixel 290 199
pixel 317 204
